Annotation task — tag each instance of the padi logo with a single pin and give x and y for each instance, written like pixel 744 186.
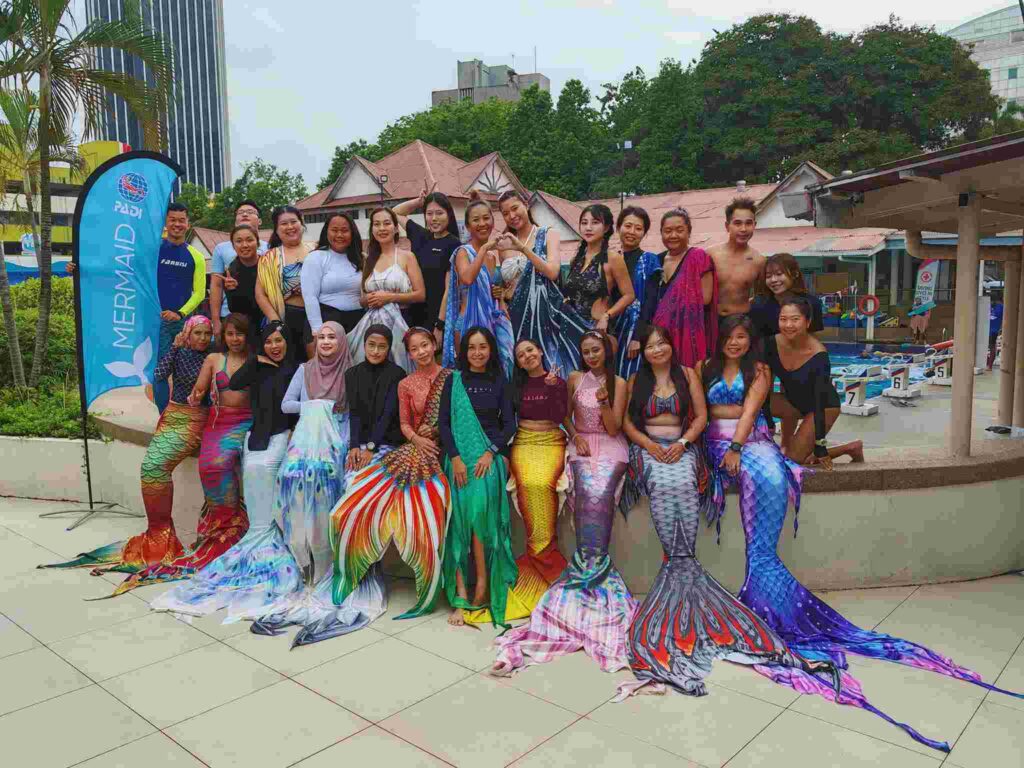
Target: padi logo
pixel 133 187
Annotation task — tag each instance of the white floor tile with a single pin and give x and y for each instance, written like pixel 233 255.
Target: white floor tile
pixel 587 743
pixel 152 751
pixel 995 736
pixel 13 639
pixel 35 676
pixel 373 746
pixel 277 652
pixel 574 682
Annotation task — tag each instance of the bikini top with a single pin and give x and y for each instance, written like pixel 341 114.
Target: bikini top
pixel 722 393
pixel 290 277
pixel 221 379
pixel 584 287
pixel 658 405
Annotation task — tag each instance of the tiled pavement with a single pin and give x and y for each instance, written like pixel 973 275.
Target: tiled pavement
pixel 109 683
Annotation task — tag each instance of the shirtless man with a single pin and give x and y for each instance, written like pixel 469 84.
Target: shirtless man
pixel 737 265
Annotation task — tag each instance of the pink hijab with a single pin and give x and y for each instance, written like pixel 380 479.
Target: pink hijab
pixel 325 376
pixel 191 323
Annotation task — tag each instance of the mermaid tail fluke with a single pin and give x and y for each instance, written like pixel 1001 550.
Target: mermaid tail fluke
pixel 109 554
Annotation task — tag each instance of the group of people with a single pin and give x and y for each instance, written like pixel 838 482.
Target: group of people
pixel 416 397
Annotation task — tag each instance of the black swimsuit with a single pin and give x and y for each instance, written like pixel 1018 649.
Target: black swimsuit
pixel 585 287
pixel 809 388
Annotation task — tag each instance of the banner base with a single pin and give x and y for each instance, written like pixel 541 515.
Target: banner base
pixel 98 508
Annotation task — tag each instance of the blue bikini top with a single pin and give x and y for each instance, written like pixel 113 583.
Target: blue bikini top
pixel 722 393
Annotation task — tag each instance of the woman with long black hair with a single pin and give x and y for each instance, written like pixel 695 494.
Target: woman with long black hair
pixel 595 272
pixel 332 276
pixel 392 282
pixel 433 245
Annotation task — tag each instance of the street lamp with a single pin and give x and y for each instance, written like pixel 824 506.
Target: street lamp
pixel 626 144
pixel 383 179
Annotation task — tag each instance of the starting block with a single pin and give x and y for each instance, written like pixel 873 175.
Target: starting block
pixel 943 372
pixel 901 387
pixel 855 398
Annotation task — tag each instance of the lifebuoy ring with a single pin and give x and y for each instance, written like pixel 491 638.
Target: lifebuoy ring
pixel 942 345
pixel 864 300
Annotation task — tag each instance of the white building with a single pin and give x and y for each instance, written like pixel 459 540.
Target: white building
pixel 998 40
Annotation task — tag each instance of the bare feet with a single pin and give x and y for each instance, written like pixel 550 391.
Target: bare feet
pixel 480 599
pixel 501 669
pixel 455 618
pixel 857 451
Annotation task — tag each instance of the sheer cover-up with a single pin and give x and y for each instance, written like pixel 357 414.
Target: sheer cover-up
pixel 393 280
pixel 480 509
pixel 402 496
pixel 691 324
pixel 589 606
pixel 646 265
pixel 481 310
pixel 539 311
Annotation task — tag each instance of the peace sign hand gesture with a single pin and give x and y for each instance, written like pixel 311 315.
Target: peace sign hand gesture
pixel 552 377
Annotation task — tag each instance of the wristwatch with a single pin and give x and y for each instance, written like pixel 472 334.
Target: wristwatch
pixel 685 443
pixel 735 447
pixel 371 447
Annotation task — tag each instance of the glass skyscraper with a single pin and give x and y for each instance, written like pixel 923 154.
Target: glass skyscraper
pixel 998 40
pixel 197 128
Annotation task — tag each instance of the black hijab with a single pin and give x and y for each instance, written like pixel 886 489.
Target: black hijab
pixel 368 385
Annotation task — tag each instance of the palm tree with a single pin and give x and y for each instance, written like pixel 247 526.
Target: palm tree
pixel 42 46
pixel 19 161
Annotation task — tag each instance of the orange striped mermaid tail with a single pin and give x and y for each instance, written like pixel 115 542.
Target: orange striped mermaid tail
pixel 399 498
pixel 538 469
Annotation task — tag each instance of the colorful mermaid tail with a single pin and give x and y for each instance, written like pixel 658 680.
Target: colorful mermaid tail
pixel 177 436
pixel 223 521
pixel 258 575
pixel 403 496
pixel 589 607
pixel 807 623
pixel 538 472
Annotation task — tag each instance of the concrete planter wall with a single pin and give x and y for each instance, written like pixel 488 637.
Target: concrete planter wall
pixel 847 539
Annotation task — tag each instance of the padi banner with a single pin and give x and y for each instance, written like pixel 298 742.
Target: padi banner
pixel 924 295
pixel 119 221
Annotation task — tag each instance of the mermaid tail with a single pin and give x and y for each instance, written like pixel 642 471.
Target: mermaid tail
pixel 380 507
pixel 177 436
pixel 808 624
pixel 538 480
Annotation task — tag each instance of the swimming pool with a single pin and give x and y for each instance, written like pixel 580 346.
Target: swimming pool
pixel 850 355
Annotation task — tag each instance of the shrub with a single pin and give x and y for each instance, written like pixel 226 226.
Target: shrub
pixel 25 295
pixel 45 412
pixel 61 362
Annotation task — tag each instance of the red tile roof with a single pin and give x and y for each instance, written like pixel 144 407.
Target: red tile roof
pixel 407 169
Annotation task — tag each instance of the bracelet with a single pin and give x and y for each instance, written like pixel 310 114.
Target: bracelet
pixel 439 325
pixel 735 447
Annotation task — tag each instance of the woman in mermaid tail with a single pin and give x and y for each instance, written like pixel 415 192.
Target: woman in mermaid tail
pixel 741 448
pixel 688 619
pixel 633 224
pixel 223 520
pixel 178 435
pixel 474 289
pixel 529 277
pixel 538 472
pixel 589 607
pixel 476 424
pixel 403 496
pixel 259 572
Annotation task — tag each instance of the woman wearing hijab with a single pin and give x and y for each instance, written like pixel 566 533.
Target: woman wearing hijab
pixel 178 435
pixel 372 389
pixel 259 572
pixel 309 484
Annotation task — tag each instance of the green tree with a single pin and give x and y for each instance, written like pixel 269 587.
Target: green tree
pixel 19 164
pixel 582 146
pixel 343 154
pixel 527 147
pixel 263 183
pixel 1009 120
pixel 43 47
pixel 198 200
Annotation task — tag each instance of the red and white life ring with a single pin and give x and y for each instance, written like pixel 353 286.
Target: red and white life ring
pixel 942 345
pixel 864 301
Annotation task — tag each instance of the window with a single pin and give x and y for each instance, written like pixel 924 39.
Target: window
pixel 1012 73
pixel 1017 36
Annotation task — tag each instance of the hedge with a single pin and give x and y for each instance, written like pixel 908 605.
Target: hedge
pixel 49 412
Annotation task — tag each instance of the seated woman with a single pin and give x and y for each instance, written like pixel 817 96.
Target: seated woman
pixel 476 423
pixel 537 463
pixel 781 277
pixel 682 296
pixel 372 390
pixel 808 405
pixel 258 574
pixel 391 282
pixel 332 276
pixel 178 435
pixel 309 484
pixel 589 607
pixel 742 452
pixel 475 279
pixel 688 620
pixel 529 279
pixel 402 497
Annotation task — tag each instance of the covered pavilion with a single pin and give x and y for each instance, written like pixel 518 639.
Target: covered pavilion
pixel 974 190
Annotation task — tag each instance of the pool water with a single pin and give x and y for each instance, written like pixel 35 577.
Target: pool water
pixel 848 355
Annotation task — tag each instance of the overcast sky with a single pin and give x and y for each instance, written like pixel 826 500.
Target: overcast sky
pixel 306 75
